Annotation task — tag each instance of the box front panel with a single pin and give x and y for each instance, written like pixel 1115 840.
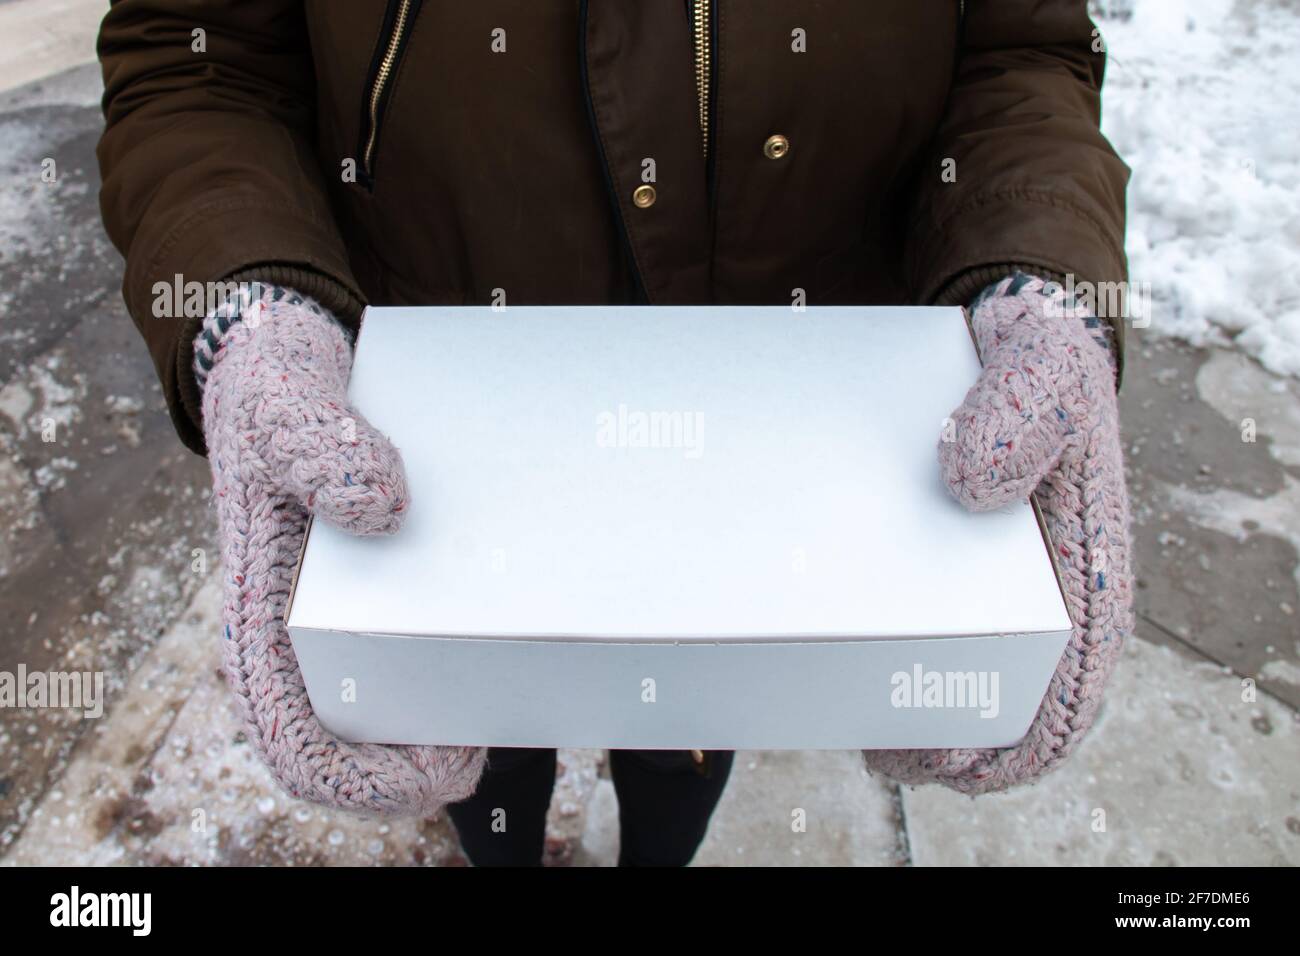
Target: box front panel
pixel 950 692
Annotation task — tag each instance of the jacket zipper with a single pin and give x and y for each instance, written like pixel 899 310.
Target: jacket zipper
pixel 400 15
pixel 702 17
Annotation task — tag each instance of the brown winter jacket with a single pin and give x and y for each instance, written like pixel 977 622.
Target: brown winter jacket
pixel 417 151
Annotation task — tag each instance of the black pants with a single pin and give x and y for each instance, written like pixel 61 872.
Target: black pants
pixel 665 799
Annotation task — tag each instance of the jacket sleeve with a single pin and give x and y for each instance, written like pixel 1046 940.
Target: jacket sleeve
pixel 1037 186
pixel 208 167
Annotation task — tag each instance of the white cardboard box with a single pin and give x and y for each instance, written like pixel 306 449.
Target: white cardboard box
pixel 785 569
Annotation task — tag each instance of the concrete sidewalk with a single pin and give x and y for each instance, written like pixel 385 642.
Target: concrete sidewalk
pixel 107 562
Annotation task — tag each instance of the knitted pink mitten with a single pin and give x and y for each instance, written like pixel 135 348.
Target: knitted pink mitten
pixel 1042 419
pixel 282 441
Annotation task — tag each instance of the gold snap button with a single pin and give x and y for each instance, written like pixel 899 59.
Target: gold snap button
pixel 776 146
pixel 643 197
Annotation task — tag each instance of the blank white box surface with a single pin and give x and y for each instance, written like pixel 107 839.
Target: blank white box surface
pixel 761 582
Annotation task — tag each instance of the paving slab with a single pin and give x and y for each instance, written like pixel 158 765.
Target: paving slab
pixel 1179 770
pixel 46 36
pixel 782 808
pixel 1216 516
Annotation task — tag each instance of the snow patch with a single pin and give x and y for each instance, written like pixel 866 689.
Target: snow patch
pixel 1281 670
pixel 1202 100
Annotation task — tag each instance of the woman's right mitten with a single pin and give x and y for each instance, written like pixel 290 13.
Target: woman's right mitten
pixel 282 443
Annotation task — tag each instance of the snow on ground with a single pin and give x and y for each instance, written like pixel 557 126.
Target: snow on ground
pixel 1202 99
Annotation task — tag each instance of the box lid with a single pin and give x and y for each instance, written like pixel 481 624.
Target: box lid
pixel 680 474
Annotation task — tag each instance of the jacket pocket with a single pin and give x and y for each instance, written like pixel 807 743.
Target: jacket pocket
pixel 399 19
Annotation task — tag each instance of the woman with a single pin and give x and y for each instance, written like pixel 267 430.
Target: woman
pixel 662 152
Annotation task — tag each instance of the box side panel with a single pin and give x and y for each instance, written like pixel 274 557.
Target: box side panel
pixel 297 571
pixel 939 692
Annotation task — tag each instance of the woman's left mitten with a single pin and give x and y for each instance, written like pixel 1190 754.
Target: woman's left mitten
pixel 1042 419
